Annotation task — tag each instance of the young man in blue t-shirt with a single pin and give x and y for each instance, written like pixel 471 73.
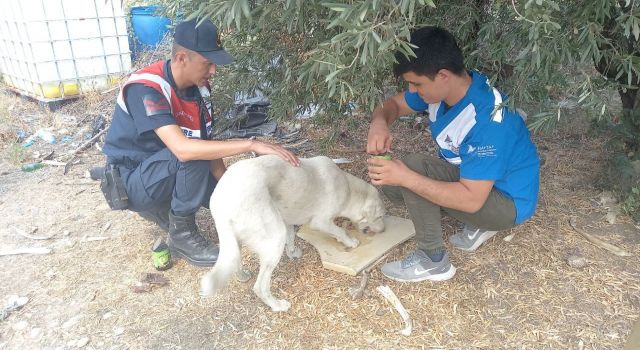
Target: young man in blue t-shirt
pixel 487 172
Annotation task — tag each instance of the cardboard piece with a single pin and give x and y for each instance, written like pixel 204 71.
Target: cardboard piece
pixel 337 257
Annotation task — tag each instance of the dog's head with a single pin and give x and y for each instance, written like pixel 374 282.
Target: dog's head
pixel 372 213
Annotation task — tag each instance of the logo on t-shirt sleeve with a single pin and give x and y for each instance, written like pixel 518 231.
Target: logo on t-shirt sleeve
pixel 155 105
pixel 485 151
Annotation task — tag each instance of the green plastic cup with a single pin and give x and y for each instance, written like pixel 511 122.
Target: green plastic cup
pixel 385 156
pixel 160 255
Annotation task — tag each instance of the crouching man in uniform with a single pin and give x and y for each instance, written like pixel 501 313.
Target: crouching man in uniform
pixel 160 140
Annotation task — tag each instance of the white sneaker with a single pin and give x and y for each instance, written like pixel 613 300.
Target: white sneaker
pixel 417 266
pixel 470 238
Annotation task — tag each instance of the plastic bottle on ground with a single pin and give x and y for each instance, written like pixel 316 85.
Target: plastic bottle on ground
pixel 29 167
pixel 47 135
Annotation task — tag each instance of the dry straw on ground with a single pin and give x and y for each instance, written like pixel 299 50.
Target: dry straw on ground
pixel 517 294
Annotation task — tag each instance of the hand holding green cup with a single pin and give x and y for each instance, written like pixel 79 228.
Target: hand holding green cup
pixel 385 156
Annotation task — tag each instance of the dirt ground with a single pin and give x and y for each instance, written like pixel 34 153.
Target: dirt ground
pixel 517 292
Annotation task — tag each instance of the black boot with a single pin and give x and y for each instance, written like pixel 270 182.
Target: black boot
pixel 159 215
pixel 185 241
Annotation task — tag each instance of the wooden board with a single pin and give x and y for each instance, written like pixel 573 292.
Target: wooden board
pixel 339 258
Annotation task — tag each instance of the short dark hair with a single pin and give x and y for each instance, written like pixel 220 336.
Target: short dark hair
pixel 175 48
pixel 436 49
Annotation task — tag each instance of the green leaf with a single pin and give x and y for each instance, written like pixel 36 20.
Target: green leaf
pixel 332 75
pixel 336 6
pixel 376 37
pixel 245 8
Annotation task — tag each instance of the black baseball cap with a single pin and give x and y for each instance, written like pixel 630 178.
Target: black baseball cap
pixel 203 39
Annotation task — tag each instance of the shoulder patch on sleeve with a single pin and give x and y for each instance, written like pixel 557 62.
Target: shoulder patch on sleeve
pixel 155 104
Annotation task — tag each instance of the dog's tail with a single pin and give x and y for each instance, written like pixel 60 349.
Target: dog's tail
pixel 228 261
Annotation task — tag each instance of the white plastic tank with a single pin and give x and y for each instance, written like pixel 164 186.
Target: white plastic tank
pixel 56 49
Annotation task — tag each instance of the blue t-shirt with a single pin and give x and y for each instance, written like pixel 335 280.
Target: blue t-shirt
pixel 487 141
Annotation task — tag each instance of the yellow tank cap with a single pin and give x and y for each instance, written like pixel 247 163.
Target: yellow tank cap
pixel 113 79
pixel 49 90
pixel 70 88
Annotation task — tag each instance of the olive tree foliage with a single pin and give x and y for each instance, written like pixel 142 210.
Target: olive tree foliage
pixel 548 56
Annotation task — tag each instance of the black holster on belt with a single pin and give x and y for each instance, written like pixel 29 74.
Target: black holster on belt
pixel 113 188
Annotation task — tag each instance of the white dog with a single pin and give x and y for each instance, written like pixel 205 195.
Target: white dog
pixel 259 200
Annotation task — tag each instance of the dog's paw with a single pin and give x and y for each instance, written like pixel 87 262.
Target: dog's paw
pixel 351 243
pixel 280 305
pixel 295 253
pixel 208 285
pixel 243 275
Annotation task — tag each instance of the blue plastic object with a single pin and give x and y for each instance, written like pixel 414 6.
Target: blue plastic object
pixel 149 27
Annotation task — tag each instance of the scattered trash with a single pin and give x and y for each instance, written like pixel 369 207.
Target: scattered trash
pixel 86 144
pixel 509 237
pixel 147 282
pixel 13 303
pixel 140 287
pixel 46 135
pixel 247 120
pixel 54 163
pixel 66 139
pixel 118 330
pixel 576 261
pixel 21 134
pixel 155 278
pixel 160 255
pixel 29 141
pixel 391 297
pixel 308 111
pixel 29 167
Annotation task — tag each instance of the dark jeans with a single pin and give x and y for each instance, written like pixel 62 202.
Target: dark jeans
pixel 497 213
pixel 162 182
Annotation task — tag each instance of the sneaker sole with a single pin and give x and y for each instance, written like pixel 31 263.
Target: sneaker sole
pixel 179 255
pixel 477 244
pixel 436 278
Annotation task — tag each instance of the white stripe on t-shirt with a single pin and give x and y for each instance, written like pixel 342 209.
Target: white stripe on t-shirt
pixel 497 106
pixel 433 111
pixel 457 129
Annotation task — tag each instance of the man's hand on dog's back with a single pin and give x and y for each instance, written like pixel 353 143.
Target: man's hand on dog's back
pixel 270 148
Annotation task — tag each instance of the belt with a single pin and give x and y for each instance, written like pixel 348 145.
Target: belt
pixel 123 161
